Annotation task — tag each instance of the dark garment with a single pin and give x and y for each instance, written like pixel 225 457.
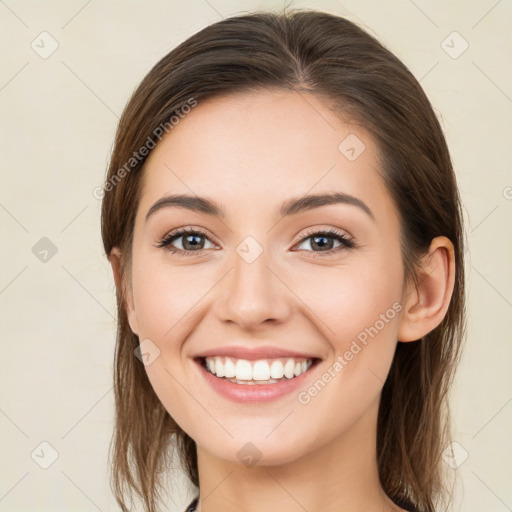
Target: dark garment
pixel 402 504
pixel 193 505
pixel 405 504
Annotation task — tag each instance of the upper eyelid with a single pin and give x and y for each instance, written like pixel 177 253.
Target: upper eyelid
pixel 187 230
pixel 337 231
pixel 181 232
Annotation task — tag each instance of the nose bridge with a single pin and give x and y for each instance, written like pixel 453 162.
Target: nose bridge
pixel 253 294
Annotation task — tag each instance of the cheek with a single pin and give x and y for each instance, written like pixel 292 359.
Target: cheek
pixel 357 311
pixel 167 296
pixel 348 299
pixel 358 316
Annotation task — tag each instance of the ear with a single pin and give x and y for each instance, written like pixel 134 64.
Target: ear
pixel 124 289
pixel 426 306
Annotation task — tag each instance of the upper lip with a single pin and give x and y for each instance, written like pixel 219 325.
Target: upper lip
pixel 264 352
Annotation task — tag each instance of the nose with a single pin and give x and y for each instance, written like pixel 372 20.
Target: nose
pixel 253 294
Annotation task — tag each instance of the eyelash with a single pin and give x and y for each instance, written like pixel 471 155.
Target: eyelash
pixel 346 243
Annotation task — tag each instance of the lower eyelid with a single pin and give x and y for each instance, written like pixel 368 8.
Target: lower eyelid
pixel 344 241
pixel 177 236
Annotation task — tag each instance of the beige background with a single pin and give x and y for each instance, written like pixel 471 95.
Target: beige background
pixel 59 115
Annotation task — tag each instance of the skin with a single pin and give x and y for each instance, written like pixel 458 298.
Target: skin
pixel 250 153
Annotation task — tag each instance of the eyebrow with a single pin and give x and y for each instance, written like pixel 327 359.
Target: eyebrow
pixel 290 207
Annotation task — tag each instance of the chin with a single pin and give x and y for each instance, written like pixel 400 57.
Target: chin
pixel 257 450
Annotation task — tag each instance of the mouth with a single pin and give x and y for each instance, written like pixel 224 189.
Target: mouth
pixel 258 372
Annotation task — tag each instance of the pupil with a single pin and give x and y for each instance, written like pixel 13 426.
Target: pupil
pixel 193 244
pixel 321 245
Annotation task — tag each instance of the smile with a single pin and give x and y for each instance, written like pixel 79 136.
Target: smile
pixel 262 371
pixel 256 381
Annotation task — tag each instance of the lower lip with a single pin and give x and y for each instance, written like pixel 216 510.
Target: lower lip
pixel 254 392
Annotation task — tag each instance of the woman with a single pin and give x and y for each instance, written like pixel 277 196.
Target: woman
pixel 285 233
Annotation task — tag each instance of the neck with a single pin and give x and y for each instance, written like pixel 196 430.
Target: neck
pixel 341 475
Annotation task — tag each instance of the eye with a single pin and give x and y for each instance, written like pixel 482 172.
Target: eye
pixel 323 240
pixel 191 241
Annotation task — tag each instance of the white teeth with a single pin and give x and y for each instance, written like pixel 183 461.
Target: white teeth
pixel 276 370
pixel 229 369
pixel 289 369
pixel 262 371
pixel 219 368
pixel 243 369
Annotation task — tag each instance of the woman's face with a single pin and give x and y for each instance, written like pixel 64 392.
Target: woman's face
pixel 255 279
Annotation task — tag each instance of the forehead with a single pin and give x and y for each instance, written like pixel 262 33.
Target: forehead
pixel 260 148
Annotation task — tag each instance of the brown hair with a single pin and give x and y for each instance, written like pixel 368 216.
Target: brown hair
pixel 328 55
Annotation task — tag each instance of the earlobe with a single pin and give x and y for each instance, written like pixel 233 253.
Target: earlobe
pixel 426 305
pixel 123 288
